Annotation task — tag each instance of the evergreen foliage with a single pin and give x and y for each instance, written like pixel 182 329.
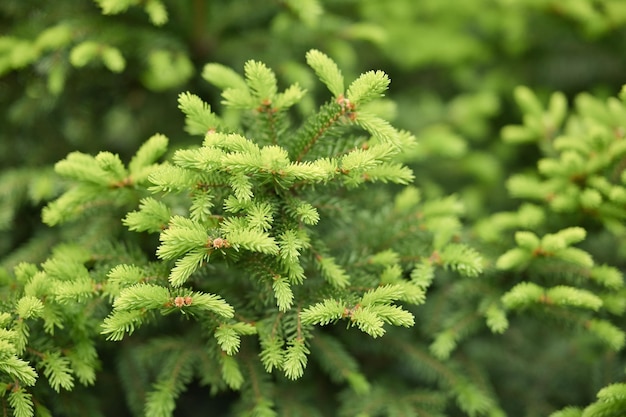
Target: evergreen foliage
pixel 319 242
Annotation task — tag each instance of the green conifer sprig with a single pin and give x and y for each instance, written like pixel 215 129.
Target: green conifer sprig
pixel 49 332
pixel 102 180
pixel 611 403
pixel 579 175
pixel 582 167
pixel 249 254
pixel 598 282
pixel 260 210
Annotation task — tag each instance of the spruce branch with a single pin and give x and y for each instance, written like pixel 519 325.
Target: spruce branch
pixel 167 178
pixel 447 340
pixel 295 359
pixel 265 233
pixel 291 96
pixel 283 293
pixel 152 216
pixel 101 180
pixel 240 236
pixel 369 86
pixel 57 370
pixel 187 265
pixel 327 71
pixel 382 295
pixel 29 307
pixel 332 272
pixel 317 127
pixel 176 373
pixel 80 166
pixel 553 246
pixel 260 80
pixel 21 402
pixel 231 372
pixel 79 290
pixel 228 336
pixel 223 77
pixel 272 353
pixel 323 313
pixel 199 118
pixel 610 402
pixel 182 235
pixel 141 296
pixel 607 276
pixel 496 319
pixel 18 369
pixel 122 276
pixel 612 336
pixel 84 362
pixel 117 325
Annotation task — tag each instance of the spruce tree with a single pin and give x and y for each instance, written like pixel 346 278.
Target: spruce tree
pixel 298 239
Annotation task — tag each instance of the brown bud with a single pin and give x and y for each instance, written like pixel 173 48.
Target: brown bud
pixel 219 243
pixel 179 301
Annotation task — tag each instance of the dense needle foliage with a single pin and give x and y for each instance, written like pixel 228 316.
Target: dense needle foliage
pixel 227 208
